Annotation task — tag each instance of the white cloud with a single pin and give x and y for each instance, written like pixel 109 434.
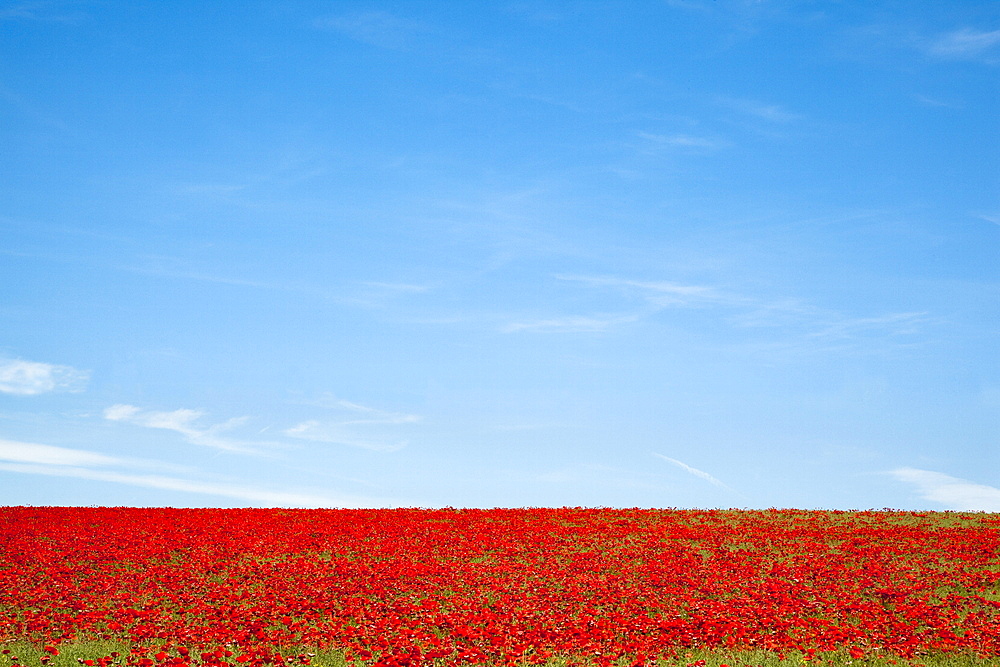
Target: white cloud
pixel 571 323
pixel 373 415
pixel 37 459
pixel 773 113
pixel 183 421
pixel 28 452
pixel 891 323
pixel 120 412
pixel 795 327
pixel 356 426
pixel 29 378
pixel 683 141
pixel 337 434
pixel 964 43
pixel 952 492
pixel 660 293
pixel 370 415
pixel 800 329
pixel 173 267
pixel 934 102
pixel 252 494
pixel 655 285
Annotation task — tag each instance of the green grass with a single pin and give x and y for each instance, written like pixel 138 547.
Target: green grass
pixel 71 654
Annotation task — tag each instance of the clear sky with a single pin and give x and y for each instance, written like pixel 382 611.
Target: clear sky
pixel 657 253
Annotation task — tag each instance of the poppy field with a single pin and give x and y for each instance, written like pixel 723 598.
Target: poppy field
pixel 166 587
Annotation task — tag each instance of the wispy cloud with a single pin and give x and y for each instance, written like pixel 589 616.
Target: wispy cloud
pixel 934 102
pixel 952 492
pixel 378 28
pixel 966 43
pixel 183 421
pixel 37 459
pixel 172 267
pixel 701 474
pixel 38 11
pixel 336 433
pixel 356 425
pixel 853 327
pixel 364 414
pixel 571 323
pixel 655 295
pixel 658 292
pixel 683 141
pixel 773 113
pixel 28 452
pixel 29 378
pixel 799 329
pixel 800 325
pixel 364 294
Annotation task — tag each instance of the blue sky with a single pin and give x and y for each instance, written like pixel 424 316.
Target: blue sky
pixel 664 253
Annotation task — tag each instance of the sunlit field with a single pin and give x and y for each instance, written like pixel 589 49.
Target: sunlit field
pixel 410 587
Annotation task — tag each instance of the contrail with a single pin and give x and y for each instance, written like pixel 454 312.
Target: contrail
pixel 698 473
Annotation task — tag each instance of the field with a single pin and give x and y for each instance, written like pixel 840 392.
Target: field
pixel 409 587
